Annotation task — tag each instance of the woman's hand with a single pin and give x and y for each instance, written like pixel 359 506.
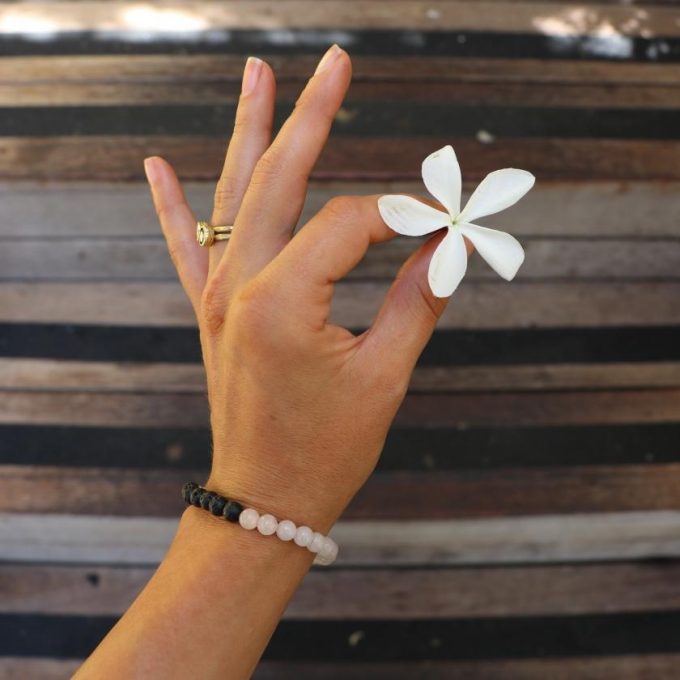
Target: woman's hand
pixel 299 407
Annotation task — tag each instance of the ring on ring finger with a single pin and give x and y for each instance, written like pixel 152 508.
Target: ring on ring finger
pixel 207 234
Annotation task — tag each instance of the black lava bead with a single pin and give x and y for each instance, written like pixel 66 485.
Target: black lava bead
pixel 232 511
pixel 217 505
pixel 196 495
pixel 187 490
pixel 206 498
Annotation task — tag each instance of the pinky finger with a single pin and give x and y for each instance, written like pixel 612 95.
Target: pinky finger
pixel 178 224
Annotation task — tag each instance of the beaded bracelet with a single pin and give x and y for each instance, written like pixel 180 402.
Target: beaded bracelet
pixel 325 548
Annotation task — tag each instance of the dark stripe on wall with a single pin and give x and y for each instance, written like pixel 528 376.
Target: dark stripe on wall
pixel 369 42
pixel 419 449
pixel 493 638
pixel 370 119
pixel 100 343
pixel 446 347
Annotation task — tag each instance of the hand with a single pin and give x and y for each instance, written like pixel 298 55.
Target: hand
pixel 299 407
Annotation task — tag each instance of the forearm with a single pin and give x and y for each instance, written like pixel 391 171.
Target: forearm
pixel 209 609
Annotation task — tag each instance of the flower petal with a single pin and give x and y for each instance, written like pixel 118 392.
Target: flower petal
pixel 497 191
pixel 408 216
pixel 441 174
pixel 448 264
pixel 503 252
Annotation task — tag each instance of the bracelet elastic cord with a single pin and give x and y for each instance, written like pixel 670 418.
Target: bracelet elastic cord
pixel 325 548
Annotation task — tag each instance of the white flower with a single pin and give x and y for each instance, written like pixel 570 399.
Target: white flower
pixel 497 191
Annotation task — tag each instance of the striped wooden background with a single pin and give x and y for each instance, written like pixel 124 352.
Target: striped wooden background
pixel 524 521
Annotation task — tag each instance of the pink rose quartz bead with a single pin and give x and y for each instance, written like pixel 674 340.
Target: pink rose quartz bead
pixel 303 536
pixel 329 550
pixel 248 518
pixel 267 525
pixel 317 542
pixel 321 561
pixel 286 530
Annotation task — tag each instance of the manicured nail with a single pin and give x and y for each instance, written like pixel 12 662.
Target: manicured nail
pixel 329 58
pixel 251 74
pixel 151 169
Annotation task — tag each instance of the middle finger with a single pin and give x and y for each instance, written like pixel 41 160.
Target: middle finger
pixel 251 137
pixel 275 197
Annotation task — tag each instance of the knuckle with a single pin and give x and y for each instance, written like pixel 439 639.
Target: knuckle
pixel 432 305
pixel 258 322
pixel 269 167
pixel 213 307
pixel 391 384
pixel 341 208
pixel 227 195
pixel 250 314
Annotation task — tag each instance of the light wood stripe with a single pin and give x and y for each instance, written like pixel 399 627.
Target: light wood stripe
pixel 350 594
pixel 227 69
pixel 545 18
pixel 475 306
pixel 215 80
pixel 147 259
pixel 572 538
pixel 587 209
pixel 624 96
pixel 422 495
pixel 442 410
pixel 120 157
pixel 51 375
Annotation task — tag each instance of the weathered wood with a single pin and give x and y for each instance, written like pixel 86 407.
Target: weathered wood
pixel 436 410
pixel 371 120
pixel 628 667
pixel 191 70
pixel 591 96
pixel 475 305
pixel 423 495
pixel 525 17
pixel 552 209
pixel 147 259
pixel 553 377
pixel 20 668
pixel 520 408
pixel 547 18
pixel 350 594
pixel 46 374
pixel 51 375
pixel 142 541
pixel 215 79
pixel 344 157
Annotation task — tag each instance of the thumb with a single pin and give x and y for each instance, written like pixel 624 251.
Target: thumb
pixel 410 311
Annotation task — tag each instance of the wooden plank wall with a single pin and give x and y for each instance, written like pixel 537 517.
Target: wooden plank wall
pixel 524 521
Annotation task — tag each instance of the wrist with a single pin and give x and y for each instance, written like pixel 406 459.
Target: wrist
pixel 285 497
pixel 217 539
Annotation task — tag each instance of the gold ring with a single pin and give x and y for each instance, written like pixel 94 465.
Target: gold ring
pixel 207 234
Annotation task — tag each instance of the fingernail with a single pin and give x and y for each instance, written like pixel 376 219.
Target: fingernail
pixel 151 169
pixel 329 58
pixel 251 74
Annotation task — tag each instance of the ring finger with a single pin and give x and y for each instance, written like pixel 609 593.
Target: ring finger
pixel 251 137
